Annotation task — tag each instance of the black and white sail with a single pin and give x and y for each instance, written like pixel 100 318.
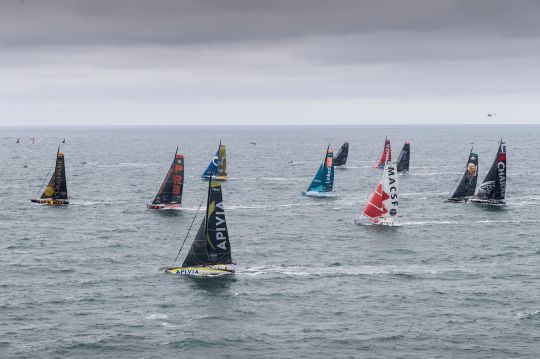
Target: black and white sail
pixel 467 185
pixel 341 157
pixel 404 158
pixel 493 188
pixel 211 245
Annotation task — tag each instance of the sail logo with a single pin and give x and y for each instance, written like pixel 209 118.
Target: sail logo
pixel 221 227
pixel 187 271
pixel 488 187
pixel 392 190
pixel 501 170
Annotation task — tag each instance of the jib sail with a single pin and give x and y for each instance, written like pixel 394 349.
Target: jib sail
pixel 341 157
pixel 404 157
pixel 211 245
pixel 467 185
pixel 324 178
pixel 386 155
pixel 172 187
pixel 494 185
pixel 57 186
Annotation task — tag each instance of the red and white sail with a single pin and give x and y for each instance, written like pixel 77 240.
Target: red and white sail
pixel 386 155
pixel 383 204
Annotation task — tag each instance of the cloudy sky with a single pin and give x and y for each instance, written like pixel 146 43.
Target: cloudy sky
pixel 190 62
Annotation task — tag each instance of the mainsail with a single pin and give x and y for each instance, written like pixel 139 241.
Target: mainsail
pixel 383 204
pixel 324 178
pixel 172 187
pixel 211 245
pixel 467 185
pixel 222 161
pixel 57 187
pixel 493 188
pixel 404 157
pixel 386 155
pixel 218 165
pixel 341 157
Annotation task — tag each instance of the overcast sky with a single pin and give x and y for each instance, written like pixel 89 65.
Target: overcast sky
pixel 176 62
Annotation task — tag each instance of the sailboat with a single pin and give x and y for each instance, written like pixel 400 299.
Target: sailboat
pixel 403 159
pixel 18 140
pixel 341 157
pixel 64 140
pixel 382 208
pixel 467 185
pixel 386 155
pixel 217 167
pixel 169 195
pixel 492 190
pixel 56 191
pixel 323 182
pixel 210 253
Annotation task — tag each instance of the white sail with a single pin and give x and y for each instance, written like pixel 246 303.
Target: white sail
pixel 390 189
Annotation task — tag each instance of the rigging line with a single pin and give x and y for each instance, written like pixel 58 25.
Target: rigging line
pixel 187 234
pixel 41 187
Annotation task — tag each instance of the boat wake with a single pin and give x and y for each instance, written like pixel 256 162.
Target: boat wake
pixel 302 271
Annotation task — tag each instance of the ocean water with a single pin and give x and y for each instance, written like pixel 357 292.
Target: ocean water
pixel 87 280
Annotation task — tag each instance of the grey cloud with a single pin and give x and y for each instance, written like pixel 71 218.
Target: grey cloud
pixel 136 22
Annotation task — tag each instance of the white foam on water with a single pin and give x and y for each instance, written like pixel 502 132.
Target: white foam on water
pixel 157 316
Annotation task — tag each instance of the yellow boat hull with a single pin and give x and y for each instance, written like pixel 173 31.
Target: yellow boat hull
pixel 210 271
pixel 50 202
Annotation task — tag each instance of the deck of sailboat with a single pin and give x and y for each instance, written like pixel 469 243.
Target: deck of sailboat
pixel 202 271
pixel 50 202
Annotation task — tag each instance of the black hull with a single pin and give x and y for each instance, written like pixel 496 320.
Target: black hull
pixel 489 202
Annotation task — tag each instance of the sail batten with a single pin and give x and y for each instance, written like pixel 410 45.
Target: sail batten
pixel 404 158
pixel 324 178
pixel 211 245
pixel 217 167
pixel 172 186
pixel 493 187
pixel 341 157
pixel 382 207
pixel 386 155
pixel 467 184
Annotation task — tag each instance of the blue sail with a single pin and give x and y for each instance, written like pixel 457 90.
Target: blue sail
pixel 212 168
pixel 324 178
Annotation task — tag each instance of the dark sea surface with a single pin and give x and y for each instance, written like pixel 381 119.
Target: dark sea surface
pixel 87 280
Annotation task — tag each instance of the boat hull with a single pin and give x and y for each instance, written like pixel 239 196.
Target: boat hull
pixel 383 221
pixel 204 271
pixel 489 202
pixel 216 178
pixel 50 202
pixel 318 194
pixel 456 200
pixel 165 207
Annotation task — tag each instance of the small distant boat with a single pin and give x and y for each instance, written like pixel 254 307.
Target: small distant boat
pixel 64 140
pixel 252 143
pixel 56 191
pixel 382 208
pixel 467 185
pixel 493 189
pixel 169 196
pixel 18 140
pixel 210 253
pixel 403 159
pixel 33 139
pixel 217 168
pixel 341 158
pixel 323 182
pixel 386 155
